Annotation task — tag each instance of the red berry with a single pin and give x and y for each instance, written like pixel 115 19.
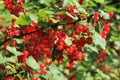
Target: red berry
pixel 104 21
pixel 25 53
pixel 42 66
pixel 60 47
pixel 24 79
pixel 80 2
pixel 95 24
pixel 79 29
pixel 96 19
pixel 51 31
pixel 71 64
pixel 95 14
pixel 104 34
pixel 24 59
pixel 44 72
pixel 2 67
pixel 107 27
pixel 9 6
pixel 111 14
pixel 13 43
pixel 105 69
pixel 68 26
pixel 89 40
pixel 10 78
pixel 37 79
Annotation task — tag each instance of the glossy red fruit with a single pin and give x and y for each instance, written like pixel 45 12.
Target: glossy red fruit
pixel 89 40
pixel 68 26
pixel 2 67
pixel 10 78
pixel 95 14
pixel 80 2
pixel 44 72
pixel 25 53
pixel 51 31
pixel 96 19
pixel 104 34
pixel 79 29
pixel 105 69
pixel 60 47
pixel 13 43
pixel 24 79
pixel 71 9
pixel 111 14
pixel 71 64
pixel 24 59
pixel 42 66
pixel 9 6
pixel 107 27
pixel 37 79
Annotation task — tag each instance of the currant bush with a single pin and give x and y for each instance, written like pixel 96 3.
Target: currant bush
pixel 58 40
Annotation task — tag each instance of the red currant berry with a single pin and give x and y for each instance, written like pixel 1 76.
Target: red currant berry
pixel 42 66
pixel 10 78
pixel 44 72
pixel 96 19
pixel 95 14
pixel 37 79
pixel 111 14
pixel 89 40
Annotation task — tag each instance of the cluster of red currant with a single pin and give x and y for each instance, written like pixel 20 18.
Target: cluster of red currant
pixel 48 43
pixel 14 6
pixel 106 30
pixel 106 27
pixel 12 31
pixel 102 56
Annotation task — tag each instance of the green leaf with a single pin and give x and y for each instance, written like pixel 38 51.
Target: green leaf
pixel 115 38
pixel 105 76
pixel 18 40
pixel 11 59
pixel 44 24
pixel 98 40
pixel 68 41
pixel 2 60
pixel 23 20
pixel 66 2
pixel 47 2
pixel 32 63
pixel 83 22
pixel 72 2
pixel 33 17
pixel 104 15
pixel 57 75
pixel 59 11
pixel 80 9
pixel 14 51
pixel 73 17
pixel 92 48
pixel 42 14
pixel 100 1
pixel 109 8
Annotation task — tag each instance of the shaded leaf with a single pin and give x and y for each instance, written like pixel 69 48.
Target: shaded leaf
pixel 68 41
pixel 23 20
pixel 54 52
pixel 98 40
pixel 32 63
pixel 13 50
